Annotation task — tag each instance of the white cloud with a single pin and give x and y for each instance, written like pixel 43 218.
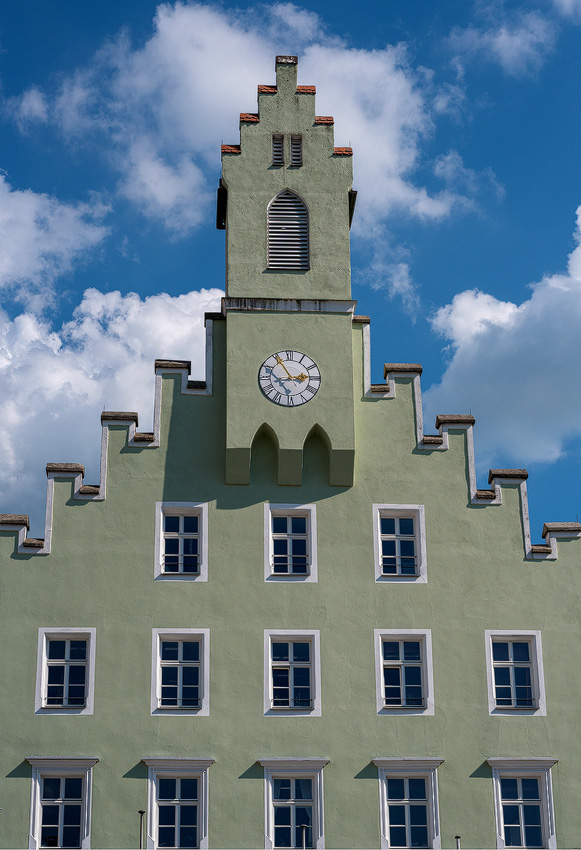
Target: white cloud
pixel 42 238
pixel 569 8
pixel 516 367
pixel 55 383
pixel 166 105
pixel 519 45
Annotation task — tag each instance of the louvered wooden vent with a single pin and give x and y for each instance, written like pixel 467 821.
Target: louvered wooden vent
pixel 288 232
pixel 278 150
pixel 296 150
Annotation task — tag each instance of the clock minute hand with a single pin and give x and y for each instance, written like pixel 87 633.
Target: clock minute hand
pixel 280 363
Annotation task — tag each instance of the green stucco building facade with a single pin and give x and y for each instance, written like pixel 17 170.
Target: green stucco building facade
pixel 288 616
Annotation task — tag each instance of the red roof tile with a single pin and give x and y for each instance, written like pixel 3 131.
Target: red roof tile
pixel 306 89
pixel 249 118
pixel 267 89
pixel 231 149
pixel 343 151
pixel 324 119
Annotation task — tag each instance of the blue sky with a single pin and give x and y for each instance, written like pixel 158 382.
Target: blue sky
pixel 464 118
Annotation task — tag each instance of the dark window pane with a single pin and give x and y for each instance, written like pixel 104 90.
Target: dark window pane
pixel 188 836
pixel 502 675
pixel 189 790
pixel 56 649
pixel 500 651
pixel 50 815
pixel 397 836
pixel 299 547
pixel 279 525
pixel 191 524
pixel 49 836
pixel 302 677
pixel 167 815
pixel 280 651
pixel 282 815
pixel 522 676
pixel 303 789
pixel 299 525
pixel 533 836
pixel 191 650
pixel 397 815
pixel 166 836
pixel 390 650
pixel 509 789
pixel 395 791
pixel 407 548
pixel 512 836
pixel 71 836
pixel 411 650
pixel 171 524
pixel 77 675
pixel 417 791
pixel 169 675
pixel 520 651
pixel 530 789
pixel 301 651
pixel 387 525
pixel 282 789
pixel 190 545
pixel 532 815
pixel 511 815
pixel 169 650
pixel 418 815
pixel 167 789
pixel 78 650
pixel 406 525
pixel 190 675
pixel 282 836
pixel 413 676
pixel 73 788
pixel 56 675
pixel 72 814
pixel 172 546
pixel 419 836
pixel 388 547
pixel 391 676
pixel 51 788
pixel 188 815
pixel 408 566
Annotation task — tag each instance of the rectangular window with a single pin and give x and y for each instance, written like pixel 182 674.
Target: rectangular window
pixel 292 673
pixel 290 552
pixel 277 149
pixel 294 803
pixel 180 680
pixel 60 802
pixel 181 541
pixel 523 799
pixel 65 671
pixel 408 798
pixel 296 150
pixel 400 543
pixel 177 802
pixel 515 672
pixel 404 671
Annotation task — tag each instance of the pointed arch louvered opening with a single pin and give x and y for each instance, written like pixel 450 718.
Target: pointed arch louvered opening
pixel 288 232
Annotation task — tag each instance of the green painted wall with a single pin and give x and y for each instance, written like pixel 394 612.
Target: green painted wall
pixel 100 574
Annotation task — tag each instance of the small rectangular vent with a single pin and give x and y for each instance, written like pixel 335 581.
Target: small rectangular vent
pixel 296 150
pixel 277 149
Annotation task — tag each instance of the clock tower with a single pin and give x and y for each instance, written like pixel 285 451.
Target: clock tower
pixel 285 201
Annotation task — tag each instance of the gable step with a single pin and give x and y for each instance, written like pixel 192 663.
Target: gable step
pixel 89 490
pixel 485 494
pixel 144 437
pixel 33 543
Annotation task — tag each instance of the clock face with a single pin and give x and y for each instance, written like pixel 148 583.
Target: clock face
pixel 289 378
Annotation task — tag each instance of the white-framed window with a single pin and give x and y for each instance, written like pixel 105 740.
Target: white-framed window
pixel 60 802
pixel 181 535
pixel 177 802
pixel 288 232
pixel 65 671
pixel 292 673
pixel 408 802
pixel 290 543
pixel 277 149
pixel 404 671
pixel 514 668
pixel 523 802
pixel 296 150
pixel 180 672
pixel 293 802
pixel 399 539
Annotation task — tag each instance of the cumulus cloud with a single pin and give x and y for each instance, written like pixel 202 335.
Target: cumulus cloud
pixel 519 45
pixel 569 8
pixel 161 109
pixel 42 238
pixel 54 383
pixel 516 367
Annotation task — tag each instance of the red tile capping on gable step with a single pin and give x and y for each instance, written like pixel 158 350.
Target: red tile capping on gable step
pixel 231 149
pixel 343 151
pixel 324 119
pixel 267 89
pixel 249 118
pixel 306 89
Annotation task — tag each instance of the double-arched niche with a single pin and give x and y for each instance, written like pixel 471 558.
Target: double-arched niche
pixel 288 232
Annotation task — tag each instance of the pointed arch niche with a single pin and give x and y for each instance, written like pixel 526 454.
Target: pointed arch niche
pixel 288 232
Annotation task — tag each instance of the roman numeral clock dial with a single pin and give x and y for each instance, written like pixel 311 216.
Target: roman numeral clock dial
pixel 289 378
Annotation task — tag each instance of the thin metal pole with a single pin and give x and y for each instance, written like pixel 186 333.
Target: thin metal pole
pixel 141 812
pixel 457 837
pixel 304 829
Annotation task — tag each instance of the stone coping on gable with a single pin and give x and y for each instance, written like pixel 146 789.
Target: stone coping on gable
pixel 507 473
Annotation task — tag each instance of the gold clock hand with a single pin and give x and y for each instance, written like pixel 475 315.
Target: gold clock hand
pixel 280 363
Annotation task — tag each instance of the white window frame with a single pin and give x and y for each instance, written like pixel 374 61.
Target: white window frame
pixel 538 678
pixel 68 633
pixel 62 767
pixel 203 635
pixel 308 511
pixel 525 768
pixel 418 513
pixel 313 637
pixel 425 636
pixel 199 509
pixel 295 768
pixel 414 768
pixel 177 768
